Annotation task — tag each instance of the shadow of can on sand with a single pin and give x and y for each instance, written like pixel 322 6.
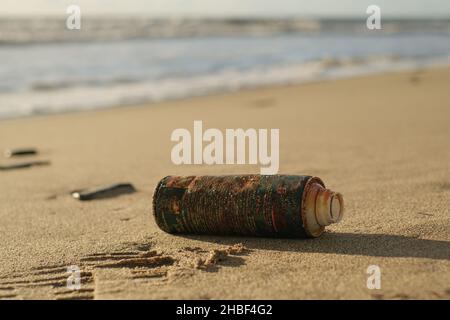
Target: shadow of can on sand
pixel 372 245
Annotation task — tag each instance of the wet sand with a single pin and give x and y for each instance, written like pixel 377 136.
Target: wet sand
pixel 382 140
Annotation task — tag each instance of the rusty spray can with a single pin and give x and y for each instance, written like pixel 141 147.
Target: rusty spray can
pixel 251 205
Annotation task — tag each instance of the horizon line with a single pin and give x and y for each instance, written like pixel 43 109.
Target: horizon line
pixel 227 17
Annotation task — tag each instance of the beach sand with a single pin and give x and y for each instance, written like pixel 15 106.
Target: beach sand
pixel 381 140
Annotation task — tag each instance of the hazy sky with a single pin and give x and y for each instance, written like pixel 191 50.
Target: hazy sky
pixel 389 8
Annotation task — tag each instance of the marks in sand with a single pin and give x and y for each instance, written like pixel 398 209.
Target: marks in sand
pixel 52 280
pixel 7 292
pixel 263 103
pixel 211 261
pixel 135 262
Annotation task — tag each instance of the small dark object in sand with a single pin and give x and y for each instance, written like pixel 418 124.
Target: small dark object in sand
pixel 111 191
pixel 23 165
pixel 10 153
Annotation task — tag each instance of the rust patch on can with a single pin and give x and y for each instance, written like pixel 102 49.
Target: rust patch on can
pixel 251 205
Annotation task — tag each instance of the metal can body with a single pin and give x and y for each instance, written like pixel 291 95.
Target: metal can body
pixel 251 205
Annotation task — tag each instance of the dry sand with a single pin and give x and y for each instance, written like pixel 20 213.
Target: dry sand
pixel 383 141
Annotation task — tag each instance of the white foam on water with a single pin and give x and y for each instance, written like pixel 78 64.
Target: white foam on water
pixel 80 98
pixel 46 69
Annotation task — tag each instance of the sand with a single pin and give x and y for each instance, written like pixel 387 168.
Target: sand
pixel 381 140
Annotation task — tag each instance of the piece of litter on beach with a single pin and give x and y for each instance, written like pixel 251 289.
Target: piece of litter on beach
pixel 20 152
pixel 23 165
pixel 250 205
pixel 104 192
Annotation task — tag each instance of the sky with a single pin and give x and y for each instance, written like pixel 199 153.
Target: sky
pixel 232 8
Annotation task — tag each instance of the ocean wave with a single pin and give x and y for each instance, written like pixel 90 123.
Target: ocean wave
pixel 65 99
pixel 20 31
pixel 273 74
pixel 58 85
